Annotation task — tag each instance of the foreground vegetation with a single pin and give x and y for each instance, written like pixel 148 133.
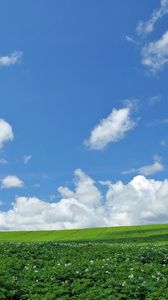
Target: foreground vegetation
pixel 104 263
pixel 83 271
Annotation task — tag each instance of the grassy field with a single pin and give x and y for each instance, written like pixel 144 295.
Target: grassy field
pixel 148 233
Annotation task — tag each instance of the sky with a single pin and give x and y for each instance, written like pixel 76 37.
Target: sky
pixel 83 113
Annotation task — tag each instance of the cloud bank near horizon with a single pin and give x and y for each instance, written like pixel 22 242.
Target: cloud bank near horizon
pixel 140 201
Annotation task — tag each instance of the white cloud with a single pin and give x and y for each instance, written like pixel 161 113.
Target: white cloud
pixel 144 28
pixel 11 182
pixel 151 169
pixel 26 158
pixel 129 39
pixel 85 190
pixel 6 132
pixel 111 129
pixel 3 161
pixel 155 54
pixel 147 170
pixel 140 201
pixel 11 59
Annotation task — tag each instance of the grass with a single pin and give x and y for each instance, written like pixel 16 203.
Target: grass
pixel 147 233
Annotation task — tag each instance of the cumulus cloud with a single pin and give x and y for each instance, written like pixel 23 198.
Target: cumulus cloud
pixel 140 201
pixel 111 129
pixel 11 59
pixel 147 170
pixel 11 182
pixel 85 190
pixel 155 54
pixel 144 28
pixel 6 132
pixel 26 158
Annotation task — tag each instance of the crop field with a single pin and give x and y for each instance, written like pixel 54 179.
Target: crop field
pixel 126 263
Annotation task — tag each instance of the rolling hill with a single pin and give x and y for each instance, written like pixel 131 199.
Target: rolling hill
pixel 146 233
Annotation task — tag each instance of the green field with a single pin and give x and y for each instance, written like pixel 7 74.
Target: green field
pixel 119 263
pixel 148 233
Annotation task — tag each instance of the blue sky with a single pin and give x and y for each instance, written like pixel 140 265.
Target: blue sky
pixel 64 67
